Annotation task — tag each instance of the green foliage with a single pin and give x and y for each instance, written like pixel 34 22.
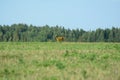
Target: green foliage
pixel 56 63
pixel 60 65
pixel 30 33
pixel 66 53
pixel 48 63
pixel 50 78
pixel 84 73
pixel 21 61
pixel 6 71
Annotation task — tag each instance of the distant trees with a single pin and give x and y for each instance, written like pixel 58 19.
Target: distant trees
pixel 24 33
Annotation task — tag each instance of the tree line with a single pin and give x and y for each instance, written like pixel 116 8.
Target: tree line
pixel 24 33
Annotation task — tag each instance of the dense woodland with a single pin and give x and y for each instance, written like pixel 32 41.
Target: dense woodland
pixel 24 33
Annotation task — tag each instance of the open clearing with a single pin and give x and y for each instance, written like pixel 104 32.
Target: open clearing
pixel 59 61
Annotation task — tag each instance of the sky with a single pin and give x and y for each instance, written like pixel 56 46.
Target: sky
pixel 72 14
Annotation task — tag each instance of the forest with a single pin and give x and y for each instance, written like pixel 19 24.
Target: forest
pixel 29 33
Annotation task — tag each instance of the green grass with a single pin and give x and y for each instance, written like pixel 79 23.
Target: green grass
pixel 59 61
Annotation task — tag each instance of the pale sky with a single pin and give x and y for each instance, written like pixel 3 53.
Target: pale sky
pixel 85 14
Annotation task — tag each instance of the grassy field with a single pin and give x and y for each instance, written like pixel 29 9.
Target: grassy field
pixel 59 61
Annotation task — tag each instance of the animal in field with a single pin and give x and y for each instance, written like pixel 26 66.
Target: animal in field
pixel 59 38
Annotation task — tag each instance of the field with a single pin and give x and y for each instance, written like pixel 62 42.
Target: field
pixel 59 61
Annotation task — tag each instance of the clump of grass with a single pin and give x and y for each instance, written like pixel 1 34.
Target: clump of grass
pixel 10 56
pixel 60 65
pixel 50 78
pixel 84 74
pixel 53 78
pixel 73 53
pixel 117 47
pixel 6 71
pixel 91 57
pixel 82 56
pixel 21 61
pixel 2 47
pixel 56 63
pixel 66 54
pixel 105 56
pixel 36 63
pixel 47 63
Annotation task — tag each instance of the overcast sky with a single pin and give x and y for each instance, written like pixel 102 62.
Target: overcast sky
pixel 85 14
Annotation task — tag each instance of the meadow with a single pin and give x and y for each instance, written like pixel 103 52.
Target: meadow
pixel 59 61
